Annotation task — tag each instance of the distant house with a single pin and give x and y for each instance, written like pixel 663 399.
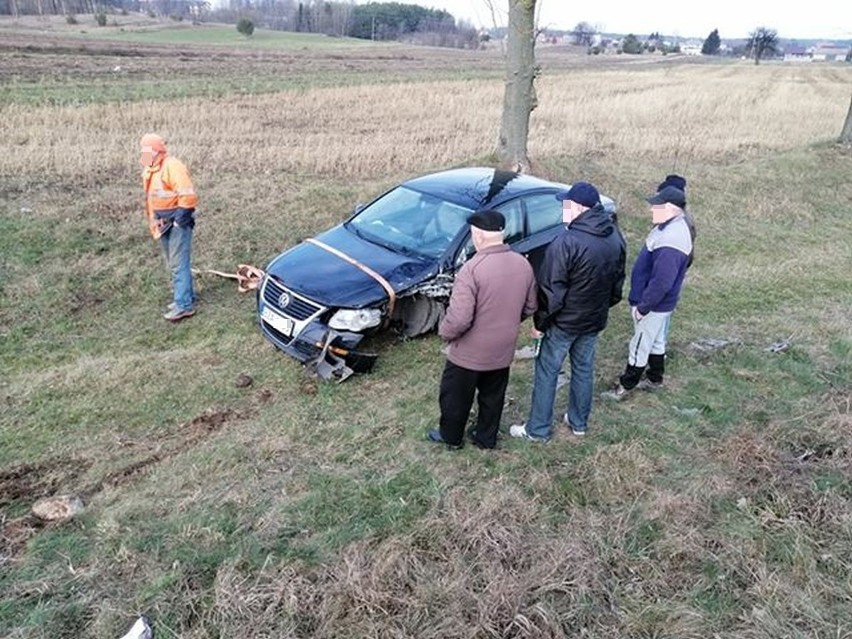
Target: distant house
pixel 796 54
pixel 690 49
pixel 829 53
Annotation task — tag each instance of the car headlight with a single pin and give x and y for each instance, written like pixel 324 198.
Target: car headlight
pixel 355 320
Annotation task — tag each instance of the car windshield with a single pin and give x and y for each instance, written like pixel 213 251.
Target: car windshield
pixel 411 222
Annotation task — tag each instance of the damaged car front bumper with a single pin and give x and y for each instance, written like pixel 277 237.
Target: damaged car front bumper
pixel 295 324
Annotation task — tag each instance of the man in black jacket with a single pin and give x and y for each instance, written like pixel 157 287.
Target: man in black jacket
pixel 581 278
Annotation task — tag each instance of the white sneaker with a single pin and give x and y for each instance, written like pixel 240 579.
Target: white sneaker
pixel 520 431
pixel 578 433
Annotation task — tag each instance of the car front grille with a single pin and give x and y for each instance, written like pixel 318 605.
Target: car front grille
pixel 281 337
pixel 296 307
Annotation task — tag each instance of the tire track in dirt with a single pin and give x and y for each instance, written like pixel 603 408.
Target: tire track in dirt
pixel 30 482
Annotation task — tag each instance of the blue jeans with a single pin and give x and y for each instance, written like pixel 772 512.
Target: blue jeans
pixel 555 346
pixel 177 249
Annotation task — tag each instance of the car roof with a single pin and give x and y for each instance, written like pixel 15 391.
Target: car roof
pixel 478 187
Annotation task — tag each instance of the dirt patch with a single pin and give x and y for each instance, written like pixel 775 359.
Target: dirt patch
pixel 84 301
pixel 15 533
pixel 186 436
pixel 29 482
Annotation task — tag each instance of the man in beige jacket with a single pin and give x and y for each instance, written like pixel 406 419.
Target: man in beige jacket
pixel 492 294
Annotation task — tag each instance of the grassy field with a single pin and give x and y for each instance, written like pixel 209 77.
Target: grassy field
pixel 135 28
pixel 719 507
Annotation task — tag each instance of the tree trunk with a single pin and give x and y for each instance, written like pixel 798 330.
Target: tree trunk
pixel 519 98
pixel 846 134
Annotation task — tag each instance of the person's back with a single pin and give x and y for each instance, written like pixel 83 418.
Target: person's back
pixel 497 282
pixel 492 294
pixel 580 279
pixel 590 257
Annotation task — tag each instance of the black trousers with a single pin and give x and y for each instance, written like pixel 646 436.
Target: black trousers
pixel 458 386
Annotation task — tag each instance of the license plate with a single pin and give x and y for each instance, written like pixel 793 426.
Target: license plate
pixel 283 325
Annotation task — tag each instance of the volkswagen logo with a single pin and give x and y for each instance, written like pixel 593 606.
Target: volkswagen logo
pixel 284 299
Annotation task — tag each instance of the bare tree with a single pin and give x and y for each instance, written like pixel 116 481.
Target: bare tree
pixel 519 98
pixel 583 34
pixel 762 40
pixel 492 9
pixel 846 133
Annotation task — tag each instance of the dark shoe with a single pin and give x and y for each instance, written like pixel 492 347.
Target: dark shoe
pixel 473 440
pixel 617 394
pixel 648 385
pixel 434 436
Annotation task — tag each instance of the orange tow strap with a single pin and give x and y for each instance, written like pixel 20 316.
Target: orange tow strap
pixel 248 277
pixel 366 269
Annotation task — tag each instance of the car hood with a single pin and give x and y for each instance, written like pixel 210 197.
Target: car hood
pixel 331 281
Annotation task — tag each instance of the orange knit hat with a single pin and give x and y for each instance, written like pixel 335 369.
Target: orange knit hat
pixel 154 142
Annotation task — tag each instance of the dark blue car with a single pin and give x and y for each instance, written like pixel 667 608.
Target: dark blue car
pixel 392 263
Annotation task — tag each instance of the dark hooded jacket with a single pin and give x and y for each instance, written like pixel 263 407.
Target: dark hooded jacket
pixel 582 275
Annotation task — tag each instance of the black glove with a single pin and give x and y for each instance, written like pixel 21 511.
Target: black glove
pixel 185 218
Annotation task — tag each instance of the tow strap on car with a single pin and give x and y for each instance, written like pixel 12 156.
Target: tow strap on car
pixel 248 277
pixel 366 269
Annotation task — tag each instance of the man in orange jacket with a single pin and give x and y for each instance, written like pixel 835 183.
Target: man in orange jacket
pixel 170 202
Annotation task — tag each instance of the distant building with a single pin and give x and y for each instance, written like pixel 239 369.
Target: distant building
pixel 797 54
pixel 829 53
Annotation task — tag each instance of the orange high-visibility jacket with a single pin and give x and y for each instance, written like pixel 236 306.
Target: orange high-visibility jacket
pixel 167 186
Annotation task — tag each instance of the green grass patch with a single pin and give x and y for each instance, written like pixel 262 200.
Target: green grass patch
pixel 226 36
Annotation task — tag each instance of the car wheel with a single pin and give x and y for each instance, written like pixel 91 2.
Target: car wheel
pixel 419 315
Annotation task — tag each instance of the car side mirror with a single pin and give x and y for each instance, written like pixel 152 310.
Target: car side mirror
pixel 359 206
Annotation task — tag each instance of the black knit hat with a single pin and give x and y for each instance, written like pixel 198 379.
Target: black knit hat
pixel 677 181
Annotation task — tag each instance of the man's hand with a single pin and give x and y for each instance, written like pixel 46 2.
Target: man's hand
pixel 636 314
pixel 159 228
pixel 535 334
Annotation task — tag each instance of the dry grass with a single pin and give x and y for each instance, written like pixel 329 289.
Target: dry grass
pixel 679 116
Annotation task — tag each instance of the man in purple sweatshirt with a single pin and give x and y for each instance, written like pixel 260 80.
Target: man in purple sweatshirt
pixel 655 286
pixel 492 294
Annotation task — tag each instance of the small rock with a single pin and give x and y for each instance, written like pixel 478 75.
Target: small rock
pixel 58 508
pixel 243 381
pixel 780 346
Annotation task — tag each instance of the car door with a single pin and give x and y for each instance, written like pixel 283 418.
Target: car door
pixel 532 221
pixel 543 222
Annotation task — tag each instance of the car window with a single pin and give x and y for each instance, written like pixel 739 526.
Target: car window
pixel 514 215
pixel 408 220
pixel 544 212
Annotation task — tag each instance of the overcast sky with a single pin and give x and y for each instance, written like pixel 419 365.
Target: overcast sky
pixel 825 19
